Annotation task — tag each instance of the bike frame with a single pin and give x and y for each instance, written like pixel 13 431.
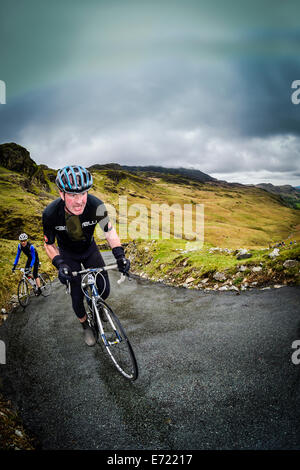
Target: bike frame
pixel 26 277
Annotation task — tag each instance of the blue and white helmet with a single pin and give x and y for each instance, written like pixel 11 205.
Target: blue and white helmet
pixel 74 179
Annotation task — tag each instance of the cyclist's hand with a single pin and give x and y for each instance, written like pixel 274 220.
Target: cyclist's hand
pixel 123 265
pixel 13 268
pixel 122 262
pixel 64 273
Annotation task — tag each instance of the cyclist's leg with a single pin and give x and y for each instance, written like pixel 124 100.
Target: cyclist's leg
pixel 74 261
pixel 27 265
pixel 35 274
pixel 75 283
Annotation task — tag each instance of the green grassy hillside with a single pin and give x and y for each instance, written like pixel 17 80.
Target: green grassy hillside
pixel 235 216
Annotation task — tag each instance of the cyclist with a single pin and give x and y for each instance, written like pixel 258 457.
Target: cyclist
pixel 71 220
pixel 29 250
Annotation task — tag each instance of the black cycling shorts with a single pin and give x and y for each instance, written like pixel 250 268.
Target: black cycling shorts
pixel 91 258
pixel 35 266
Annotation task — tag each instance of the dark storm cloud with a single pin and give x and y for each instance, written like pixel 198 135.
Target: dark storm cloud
pixel 203 85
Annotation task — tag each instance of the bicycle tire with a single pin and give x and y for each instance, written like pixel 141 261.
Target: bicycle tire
pixel 116 343
pixel 45 284
pixel 23 293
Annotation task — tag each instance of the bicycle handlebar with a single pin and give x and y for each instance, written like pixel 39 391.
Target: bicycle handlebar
pixel 103 268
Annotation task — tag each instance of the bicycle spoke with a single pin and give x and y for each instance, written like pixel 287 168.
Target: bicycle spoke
pixel 23 293
pixel 117 344
pixel 45 284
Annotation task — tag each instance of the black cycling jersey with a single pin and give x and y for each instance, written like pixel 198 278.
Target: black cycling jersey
pixel 75 235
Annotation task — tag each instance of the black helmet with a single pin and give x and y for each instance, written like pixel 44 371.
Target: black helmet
pixel 74 179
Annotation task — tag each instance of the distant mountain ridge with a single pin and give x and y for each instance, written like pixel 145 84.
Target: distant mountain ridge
pixel 288 193
pixel 17 158
pixel 193 174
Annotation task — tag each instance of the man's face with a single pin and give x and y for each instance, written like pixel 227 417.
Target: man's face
pixel 24 243
pixel 74 203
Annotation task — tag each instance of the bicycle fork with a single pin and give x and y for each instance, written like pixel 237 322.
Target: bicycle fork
pixel 99 322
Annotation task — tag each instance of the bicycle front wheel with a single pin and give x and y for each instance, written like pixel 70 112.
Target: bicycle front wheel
pixel 116 342
pixel 23 293
pixel 45 284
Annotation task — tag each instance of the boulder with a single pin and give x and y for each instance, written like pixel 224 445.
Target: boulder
pixel 243 268
pixel 274 253
pixel 256 269
pixel 243 254
pixel 291 263
pixel 219 276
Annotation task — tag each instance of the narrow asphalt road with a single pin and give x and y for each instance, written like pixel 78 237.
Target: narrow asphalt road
pixel 215 371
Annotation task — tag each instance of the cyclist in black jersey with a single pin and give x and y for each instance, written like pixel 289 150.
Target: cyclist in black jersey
pixel 26 247
pixel 70 221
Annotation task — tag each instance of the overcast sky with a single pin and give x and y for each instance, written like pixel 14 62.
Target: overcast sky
pixel 191 83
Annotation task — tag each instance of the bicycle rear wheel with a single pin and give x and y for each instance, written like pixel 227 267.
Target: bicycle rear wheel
pixel 116 342
pixel 45 284
pixel 23 293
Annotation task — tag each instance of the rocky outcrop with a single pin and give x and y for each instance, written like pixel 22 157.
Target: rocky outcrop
pixel 16 158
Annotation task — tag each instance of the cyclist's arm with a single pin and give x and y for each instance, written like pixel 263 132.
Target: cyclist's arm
pixel 32 252
pixel 51 250
pixel 18 255
pixel 112 237
pixel 49 236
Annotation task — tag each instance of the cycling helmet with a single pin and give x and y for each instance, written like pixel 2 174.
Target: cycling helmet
pixel 74 179
pixel 23 237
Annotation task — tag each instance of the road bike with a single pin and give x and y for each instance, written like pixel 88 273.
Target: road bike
pixel 107 327
pixel 27 287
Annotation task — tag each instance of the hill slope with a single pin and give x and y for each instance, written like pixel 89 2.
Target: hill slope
pixel 288 194
pixel 235 216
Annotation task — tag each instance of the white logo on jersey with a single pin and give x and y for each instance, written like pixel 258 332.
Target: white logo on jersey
pixel 86 224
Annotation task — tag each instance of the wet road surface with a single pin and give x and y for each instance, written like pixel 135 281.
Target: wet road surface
pixel 215 371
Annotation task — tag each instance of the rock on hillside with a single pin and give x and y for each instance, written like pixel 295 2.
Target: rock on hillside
pixel 17 158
